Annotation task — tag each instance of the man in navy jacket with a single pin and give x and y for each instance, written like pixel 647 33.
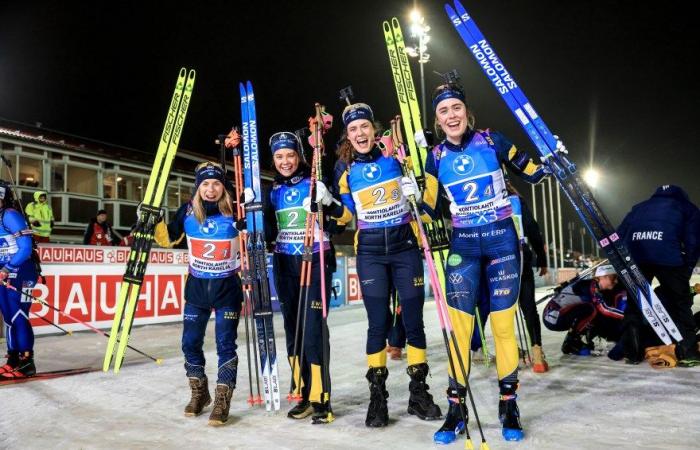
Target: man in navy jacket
pixel 663 235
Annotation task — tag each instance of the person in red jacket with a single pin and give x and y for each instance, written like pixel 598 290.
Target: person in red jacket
pixel 99 231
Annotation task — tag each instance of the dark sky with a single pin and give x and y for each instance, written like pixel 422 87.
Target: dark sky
pixel 106 71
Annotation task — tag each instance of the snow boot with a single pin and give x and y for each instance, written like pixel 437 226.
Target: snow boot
pixel 378 412
pixel 508 412
pixel 12 361
pixel 573 345
pixel 301 410
pixel 420 402
pixel 456 418
pixel 322 413
pixel 539 363
pixel 25 367
pixel 222 403
pixel 200 396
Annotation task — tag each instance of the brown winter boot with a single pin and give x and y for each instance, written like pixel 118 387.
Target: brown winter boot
pixel 539 363
pixel 222 403
pixel 200 396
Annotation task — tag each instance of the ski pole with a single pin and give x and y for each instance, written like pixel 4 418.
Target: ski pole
pixel 440 300
pixel 322 122
pixel 233 141
pixel 96 330
pixel 68 332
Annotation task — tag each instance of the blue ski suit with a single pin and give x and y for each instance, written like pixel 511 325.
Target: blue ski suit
pixel 484 240
pixel 16 259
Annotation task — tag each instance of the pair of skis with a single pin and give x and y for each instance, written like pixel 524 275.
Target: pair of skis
pixel 149 213
pixel 554 157
pixel 410 111
pixel 253 256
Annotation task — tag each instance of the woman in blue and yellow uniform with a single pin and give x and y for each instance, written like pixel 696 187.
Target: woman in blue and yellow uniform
pixel 369 185
pixel 212 239
pixel 465 170
pixel 18 270
pixel 289 203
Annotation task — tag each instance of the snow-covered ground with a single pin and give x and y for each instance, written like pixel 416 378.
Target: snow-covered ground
pixel 582 403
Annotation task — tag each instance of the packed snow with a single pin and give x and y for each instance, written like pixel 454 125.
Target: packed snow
pixel 581 403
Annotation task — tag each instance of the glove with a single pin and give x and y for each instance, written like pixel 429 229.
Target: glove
pixel 410 188
pixel 248 196
pixel 454 209
pixel 36 223
pixel 560 145
pixel 423 138
pixel 4 274
pixel 323 196
pixel 307 204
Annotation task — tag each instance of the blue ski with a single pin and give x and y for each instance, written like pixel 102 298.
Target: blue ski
pixel 565 172
pixel 257 278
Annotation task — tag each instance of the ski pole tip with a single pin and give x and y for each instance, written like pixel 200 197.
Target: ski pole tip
pixel 69 333
pixel 159 361
pixel 484 446
pixel 468 444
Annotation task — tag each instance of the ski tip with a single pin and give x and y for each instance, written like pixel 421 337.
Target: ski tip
pixel 183 72
pixel 191 75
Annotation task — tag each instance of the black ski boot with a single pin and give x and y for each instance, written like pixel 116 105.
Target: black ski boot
pixel 378 412
pixel 12 362
pixel 301 410
pixel 322 413
pixel 25 367
pixel 508 412
pixel 573 345
pixel 200 396
pixel 420 402
pixel 456 418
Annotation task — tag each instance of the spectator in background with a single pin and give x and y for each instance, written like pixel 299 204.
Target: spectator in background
pixel 99 231
pixel 663 235
pixel 40 217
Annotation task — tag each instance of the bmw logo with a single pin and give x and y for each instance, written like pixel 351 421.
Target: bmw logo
pixel 371 172
pixel 291 196
pixel 209 227
pixel 463 164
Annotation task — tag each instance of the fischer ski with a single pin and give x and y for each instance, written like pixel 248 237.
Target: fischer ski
pixel 255 277
pixel 408 103
pixel 553 155
pixel 149 214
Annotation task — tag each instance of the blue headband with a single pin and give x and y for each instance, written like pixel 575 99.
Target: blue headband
pixel 448 91
pixel 209 172
pixel 357 111
pixel 284 139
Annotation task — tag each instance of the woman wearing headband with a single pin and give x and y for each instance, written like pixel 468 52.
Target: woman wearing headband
pixel 213 283
pixel 370 187
pixel 465 170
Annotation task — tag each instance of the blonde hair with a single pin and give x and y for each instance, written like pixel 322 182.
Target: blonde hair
pixel 225 203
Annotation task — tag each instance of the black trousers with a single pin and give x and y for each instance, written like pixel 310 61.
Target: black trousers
pixel 527 305
pixel 674 293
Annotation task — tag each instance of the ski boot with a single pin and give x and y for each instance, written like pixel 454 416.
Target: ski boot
pixel 573 345
pixel 25 367
pixel 222 403
pixel 539 363
pixel 420 402
pixel 301 410
pixel 378 412
pixel 508 412
pixel 456 418
pixel 200 396
pixel 322 413
pixel 12 362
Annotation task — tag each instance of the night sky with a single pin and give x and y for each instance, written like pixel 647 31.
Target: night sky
pixel 613 76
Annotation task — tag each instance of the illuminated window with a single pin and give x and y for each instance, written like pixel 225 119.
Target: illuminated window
pixel 81 180
pixel 109 182
pixel 58 177
pixel 30 172
pixel 129 187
